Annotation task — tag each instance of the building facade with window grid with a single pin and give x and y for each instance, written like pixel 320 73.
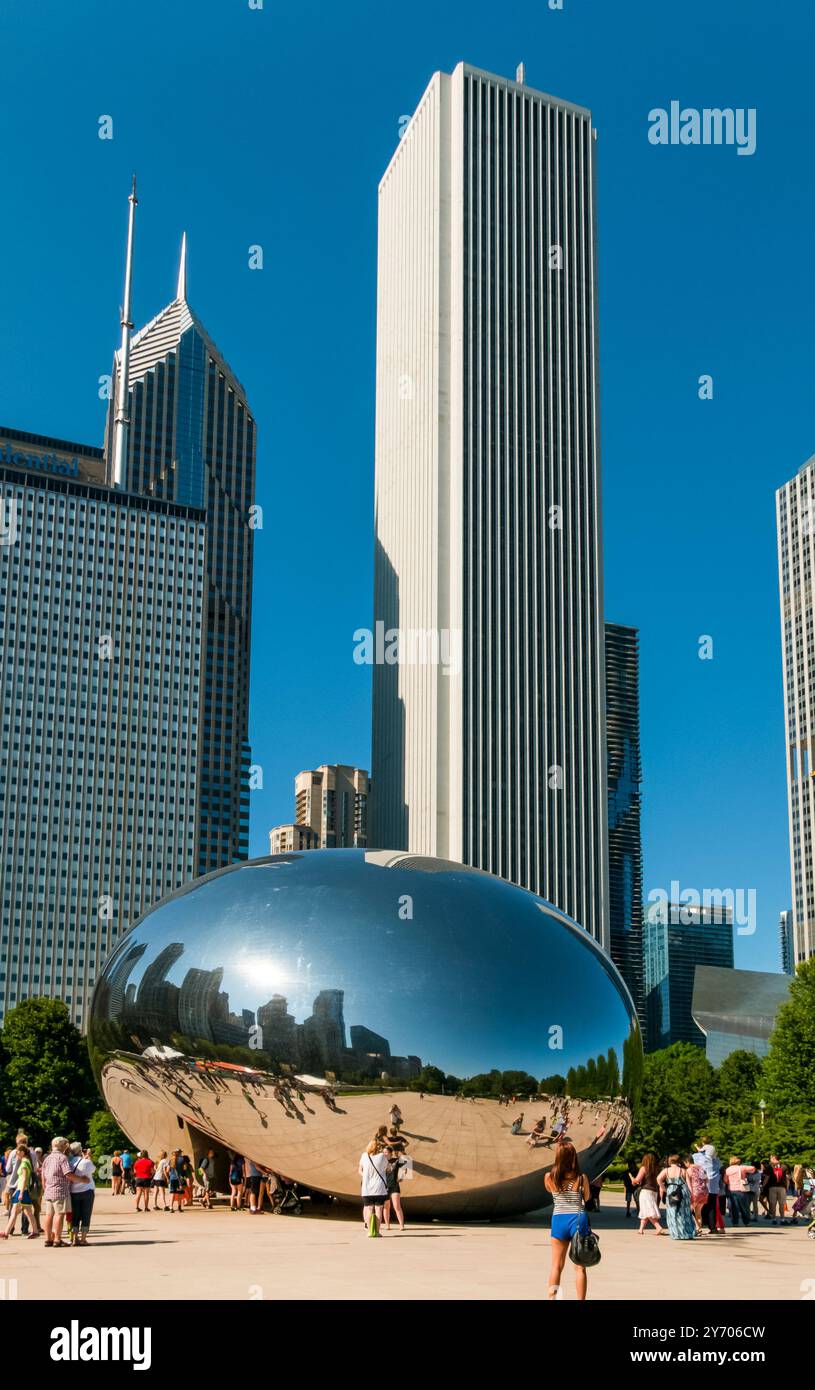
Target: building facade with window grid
pixel 192 441
pixel 333 801
pixel 103 601
pixel 487 493
pixel 624 808
pixel 678 937
pixel 795 522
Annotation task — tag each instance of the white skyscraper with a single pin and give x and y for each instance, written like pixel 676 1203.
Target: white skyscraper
pixel 489 732
pixel 795 514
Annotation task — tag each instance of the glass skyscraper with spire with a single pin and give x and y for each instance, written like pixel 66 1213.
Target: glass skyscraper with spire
pixel 191 440
pixel 124 665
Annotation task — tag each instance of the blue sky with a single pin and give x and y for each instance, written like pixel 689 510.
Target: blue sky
pixel 273 127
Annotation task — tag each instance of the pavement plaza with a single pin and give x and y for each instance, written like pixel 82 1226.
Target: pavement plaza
pixel 220 1254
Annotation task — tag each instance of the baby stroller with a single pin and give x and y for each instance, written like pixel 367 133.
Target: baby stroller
pixel 805 1206
pixel 286 1198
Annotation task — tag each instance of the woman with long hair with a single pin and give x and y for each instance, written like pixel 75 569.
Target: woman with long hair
pixel 648 1184
pixel 696 1178
pixel 373 1166
pixel 675 1189
pixel 569 1189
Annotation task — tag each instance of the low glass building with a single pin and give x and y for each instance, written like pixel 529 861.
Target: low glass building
pixel 736 1009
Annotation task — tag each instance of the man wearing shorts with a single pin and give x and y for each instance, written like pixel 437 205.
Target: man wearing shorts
pixel 56 1178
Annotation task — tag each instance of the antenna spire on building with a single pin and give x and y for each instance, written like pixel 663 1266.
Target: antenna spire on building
pixel 181 292
pixel 122 418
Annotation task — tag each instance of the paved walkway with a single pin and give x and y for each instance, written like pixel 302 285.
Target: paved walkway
pixel 233 1255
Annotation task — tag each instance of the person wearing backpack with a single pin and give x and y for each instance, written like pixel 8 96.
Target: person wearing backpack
pixel 175 1181
pixel 674 1189
pixel 569 1190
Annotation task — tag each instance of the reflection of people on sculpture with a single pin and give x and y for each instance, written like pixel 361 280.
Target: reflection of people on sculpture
pixel 570 1191
pixel 538 1134
pixel 395 1116
pixel 517 1124
pixel 558 1127
pixel 394 1140
pixel 373 1166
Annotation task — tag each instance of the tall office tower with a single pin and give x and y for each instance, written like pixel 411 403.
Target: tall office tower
pixel 191 439
pixel 785 939
pixel 100 682
pixel 795 517
pixel 678 937
pixel 489 730
pixel 624 805
pixel 333 801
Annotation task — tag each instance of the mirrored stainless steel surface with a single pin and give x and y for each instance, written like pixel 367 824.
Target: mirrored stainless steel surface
pixel 279 1008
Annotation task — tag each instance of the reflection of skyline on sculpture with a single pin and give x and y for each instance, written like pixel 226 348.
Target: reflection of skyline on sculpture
pixel 199 1008
pixel 304 964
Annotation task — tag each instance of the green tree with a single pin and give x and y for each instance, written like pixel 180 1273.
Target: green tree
pixel 47 1087
pixel 518 1083
pixel 678 1097
pixel 554 1085
pixel 484 1083
pixel 430 1079
pixel 737 1081
pixel 104 1134
pixel 789 1067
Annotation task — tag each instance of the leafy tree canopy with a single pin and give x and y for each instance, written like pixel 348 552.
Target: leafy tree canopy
pixel 678 1095
pixel 46 1087
pixel 789 1069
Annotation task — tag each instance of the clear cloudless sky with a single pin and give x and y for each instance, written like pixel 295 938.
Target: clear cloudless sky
pixel 273 127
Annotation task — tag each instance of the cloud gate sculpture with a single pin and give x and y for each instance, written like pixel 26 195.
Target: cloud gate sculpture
pixel 280 1007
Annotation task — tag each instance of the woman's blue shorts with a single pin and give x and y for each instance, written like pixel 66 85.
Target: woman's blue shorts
pixel 565 1223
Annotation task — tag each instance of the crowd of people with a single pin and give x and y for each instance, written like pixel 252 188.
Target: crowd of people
pixel 48 1193
pixel 698 1190
pixel 51 1195
pixel 382 1166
